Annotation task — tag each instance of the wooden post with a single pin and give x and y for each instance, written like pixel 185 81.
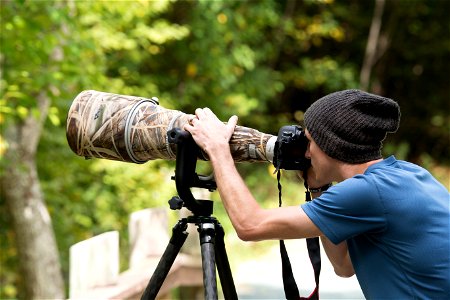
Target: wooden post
pixel 94 262
pixel 148 233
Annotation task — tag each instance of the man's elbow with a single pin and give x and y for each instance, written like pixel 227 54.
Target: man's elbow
pixel 247 235
pixel 344 272
pixel 250 232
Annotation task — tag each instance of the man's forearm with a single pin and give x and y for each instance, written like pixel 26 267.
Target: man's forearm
pixel 250 220
pixel 337 254
pixel 237 199
pixel 339 257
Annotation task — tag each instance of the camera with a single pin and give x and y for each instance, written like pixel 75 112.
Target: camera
pixel 134 129
pixel 290 148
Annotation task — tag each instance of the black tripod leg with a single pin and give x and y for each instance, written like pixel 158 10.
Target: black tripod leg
pixel 207 237
pixel 177 240
pixel 223 266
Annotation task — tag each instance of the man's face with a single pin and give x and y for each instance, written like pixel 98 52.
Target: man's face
pixel 320 161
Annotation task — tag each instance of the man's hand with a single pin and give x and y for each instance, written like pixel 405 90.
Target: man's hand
pixel 209 132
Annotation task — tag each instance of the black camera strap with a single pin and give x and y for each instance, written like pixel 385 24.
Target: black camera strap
pixel 290 286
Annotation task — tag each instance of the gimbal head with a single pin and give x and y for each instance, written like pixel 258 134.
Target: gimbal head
pixel 211 233
pixel 186 177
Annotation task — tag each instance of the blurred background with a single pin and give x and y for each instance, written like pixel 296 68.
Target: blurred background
pixel 265 61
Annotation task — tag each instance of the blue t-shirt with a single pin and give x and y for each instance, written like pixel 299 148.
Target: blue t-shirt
pixel 396 220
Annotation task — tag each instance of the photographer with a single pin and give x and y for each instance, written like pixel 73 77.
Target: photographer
pixel 386 220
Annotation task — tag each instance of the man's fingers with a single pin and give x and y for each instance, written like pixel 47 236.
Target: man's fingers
pixel 188 127
pixel 231 124
pixel 205 113
pixel 232 121
pixel 200 113
pixel 208 111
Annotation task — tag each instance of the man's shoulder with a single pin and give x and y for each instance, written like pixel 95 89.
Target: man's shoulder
pixel 393 163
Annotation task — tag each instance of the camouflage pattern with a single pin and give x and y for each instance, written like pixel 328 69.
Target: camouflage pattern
pixel 134 129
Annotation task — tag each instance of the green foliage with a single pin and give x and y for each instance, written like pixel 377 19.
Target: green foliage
pixel 25 28
pixel 312 74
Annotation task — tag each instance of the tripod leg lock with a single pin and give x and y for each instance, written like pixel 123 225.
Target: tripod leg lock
pixel 207 232
pixel 179 233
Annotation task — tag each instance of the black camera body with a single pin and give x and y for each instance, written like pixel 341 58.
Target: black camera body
pixel 290 149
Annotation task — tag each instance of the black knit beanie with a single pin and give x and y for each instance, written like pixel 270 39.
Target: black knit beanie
pixel 351 125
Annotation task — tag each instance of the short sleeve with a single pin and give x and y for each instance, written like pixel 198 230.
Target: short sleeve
pixel 350 208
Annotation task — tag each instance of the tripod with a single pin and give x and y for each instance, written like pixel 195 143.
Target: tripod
pixel 211 233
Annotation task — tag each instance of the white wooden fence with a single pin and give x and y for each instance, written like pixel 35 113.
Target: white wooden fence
pixel 94 263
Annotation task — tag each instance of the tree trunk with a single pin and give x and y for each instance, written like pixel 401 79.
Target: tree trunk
pixel 35 239
pixel 372 45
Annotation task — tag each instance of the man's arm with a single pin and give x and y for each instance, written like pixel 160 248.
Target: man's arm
pixel 337 254
pixel 339 257
pixel 250 221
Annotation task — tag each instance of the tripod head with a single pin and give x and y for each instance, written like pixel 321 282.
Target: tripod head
pixel 186 177
pixel 211 232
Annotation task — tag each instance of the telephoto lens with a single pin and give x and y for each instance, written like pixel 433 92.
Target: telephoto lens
pixel 134 129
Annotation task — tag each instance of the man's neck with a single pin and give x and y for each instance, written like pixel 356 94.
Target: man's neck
pixel 349 170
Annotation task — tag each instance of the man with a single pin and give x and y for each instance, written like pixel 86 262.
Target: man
pixel 386 220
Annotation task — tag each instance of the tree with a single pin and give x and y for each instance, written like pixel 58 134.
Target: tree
pixel 373 49
pixel 50 53
pixel 27 102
